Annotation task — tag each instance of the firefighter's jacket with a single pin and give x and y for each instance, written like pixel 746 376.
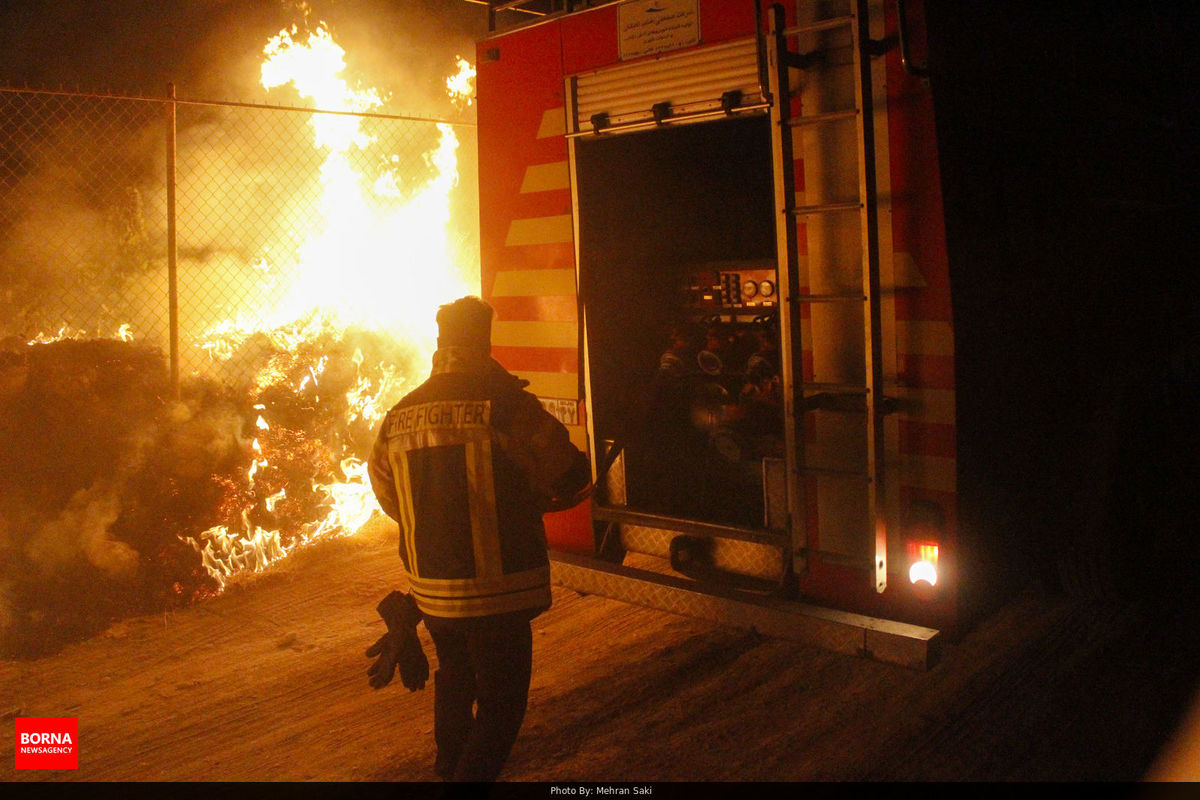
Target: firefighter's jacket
pixel 466 463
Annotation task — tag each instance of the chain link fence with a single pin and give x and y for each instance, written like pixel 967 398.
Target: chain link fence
pixel 167 219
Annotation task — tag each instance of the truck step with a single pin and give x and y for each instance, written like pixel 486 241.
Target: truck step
pixel 891 642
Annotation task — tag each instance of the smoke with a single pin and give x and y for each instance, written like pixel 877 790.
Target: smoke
pixel 76 422
pixel 73 239
pixel 82 529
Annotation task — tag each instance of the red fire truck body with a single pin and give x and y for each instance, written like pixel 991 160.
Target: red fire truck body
pixel 713 236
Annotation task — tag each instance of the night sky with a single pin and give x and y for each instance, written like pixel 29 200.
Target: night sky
pixel 212 49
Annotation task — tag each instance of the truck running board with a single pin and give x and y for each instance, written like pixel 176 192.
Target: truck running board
pixel 899 643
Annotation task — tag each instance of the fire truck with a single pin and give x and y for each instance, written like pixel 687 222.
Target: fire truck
pixel 713 233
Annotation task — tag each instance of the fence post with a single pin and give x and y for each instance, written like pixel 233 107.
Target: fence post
pixel 172 277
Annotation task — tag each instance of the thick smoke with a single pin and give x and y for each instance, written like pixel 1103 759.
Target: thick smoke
pixel 78 420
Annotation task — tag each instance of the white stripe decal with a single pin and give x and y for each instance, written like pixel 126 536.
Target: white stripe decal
pixel 554 123
pixel 540 230
pixel 906 271
pixel 485 531
pixel 915 337
pixel 552 384
pixel 535 334
pixel 928 472
pixel 534 283
pixel 546 177
pixel 404 495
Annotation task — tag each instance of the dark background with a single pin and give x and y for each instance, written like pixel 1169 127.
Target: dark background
pixel 1067 133
pixel 1068 143
pixel 212 49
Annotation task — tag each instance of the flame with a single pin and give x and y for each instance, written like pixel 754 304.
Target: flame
pixel 382 257
pixel 124 333
pixel 459 85
pixel 314 68
pixel 65 332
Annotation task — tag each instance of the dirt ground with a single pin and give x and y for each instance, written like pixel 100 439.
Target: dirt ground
pixel 268 683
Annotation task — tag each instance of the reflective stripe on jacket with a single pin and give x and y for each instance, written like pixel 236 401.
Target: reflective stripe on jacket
pixel 466 463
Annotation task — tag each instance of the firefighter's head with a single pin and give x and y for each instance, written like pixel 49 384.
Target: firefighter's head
pixel 467 322
pixel 686 336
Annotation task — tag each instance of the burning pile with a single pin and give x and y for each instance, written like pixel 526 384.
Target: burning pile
pixel 111 487
pixel 316 407
pixel 83 464
pixel 122 498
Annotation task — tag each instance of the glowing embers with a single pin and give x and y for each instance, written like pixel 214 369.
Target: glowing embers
pixel 124 333
pixel 923 561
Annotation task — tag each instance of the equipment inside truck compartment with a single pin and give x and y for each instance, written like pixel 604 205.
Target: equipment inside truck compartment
pixel 679 284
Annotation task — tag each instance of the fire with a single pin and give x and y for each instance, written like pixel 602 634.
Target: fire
pixel 315 67
pixel 459 85
pixel 123 333
pixel 381 258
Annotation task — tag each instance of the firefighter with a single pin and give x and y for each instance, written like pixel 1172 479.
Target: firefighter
pixel 679 359
pixel 467 463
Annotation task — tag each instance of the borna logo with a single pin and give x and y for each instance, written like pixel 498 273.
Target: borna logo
pixel 47 743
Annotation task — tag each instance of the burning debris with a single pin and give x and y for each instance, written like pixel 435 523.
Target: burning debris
pixel 121 499
pixel 314 407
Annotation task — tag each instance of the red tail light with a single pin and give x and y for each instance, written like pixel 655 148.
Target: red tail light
pixel 923 562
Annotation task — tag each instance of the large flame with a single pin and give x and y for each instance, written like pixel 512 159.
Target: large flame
pixel 381 258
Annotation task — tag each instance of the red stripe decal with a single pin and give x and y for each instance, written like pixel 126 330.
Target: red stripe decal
pixel 927 438
pixel 930 372
pixel 551 308
pixel 537 359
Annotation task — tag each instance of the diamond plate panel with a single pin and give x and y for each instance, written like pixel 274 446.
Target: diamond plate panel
pixel 730 555
pixel 898 643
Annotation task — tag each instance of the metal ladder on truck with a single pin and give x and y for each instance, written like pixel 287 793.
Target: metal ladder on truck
pixel 802 394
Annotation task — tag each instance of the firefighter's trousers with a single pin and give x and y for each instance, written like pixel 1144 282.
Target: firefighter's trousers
pixel 485 661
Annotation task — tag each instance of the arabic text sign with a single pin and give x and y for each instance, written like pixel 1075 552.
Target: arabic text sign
pixel 655 26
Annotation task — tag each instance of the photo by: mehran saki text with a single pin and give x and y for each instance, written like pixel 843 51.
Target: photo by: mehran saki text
pixel 602 790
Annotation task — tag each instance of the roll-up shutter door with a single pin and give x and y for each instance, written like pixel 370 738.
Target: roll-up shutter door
pixel 691 86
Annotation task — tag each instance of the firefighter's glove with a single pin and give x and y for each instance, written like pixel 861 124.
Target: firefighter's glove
pixel 573 487
pixel 399 647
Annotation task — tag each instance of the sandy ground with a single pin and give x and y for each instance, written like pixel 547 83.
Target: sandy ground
pixel 268 683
